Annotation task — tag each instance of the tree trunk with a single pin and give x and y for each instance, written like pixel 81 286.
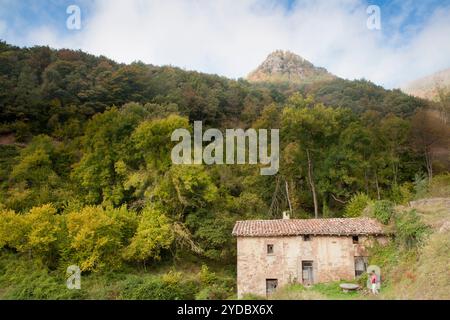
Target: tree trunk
pixel 429 164
pixel 377 185
pixel 395 172
pixel 312 185
pixel 366 181
pixel 287 195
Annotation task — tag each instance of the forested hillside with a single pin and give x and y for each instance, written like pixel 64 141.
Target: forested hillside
pixel 86 176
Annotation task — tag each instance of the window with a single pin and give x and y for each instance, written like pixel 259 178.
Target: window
pixel 270 249
pixel 355 239
pixel 360 265
pixel 271 286
pixel 307 237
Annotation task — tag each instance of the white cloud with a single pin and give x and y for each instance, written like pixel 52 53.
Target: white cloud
pixel 231 39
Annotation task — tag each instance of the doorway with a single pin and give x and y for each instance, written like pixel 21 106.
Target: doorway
pixel 271 286
pixel 307 273
pixel 361 264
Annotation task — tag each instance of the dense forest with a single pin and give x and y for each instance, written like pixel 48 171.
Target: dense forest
pixel 86 176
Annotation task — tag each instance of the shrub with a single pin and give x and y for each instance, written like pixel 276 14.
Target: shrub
pixel 214 292
pixel 420 185
pixel 39 285
pixel 213 286
pixel 158 288
pixel 383 210
pixel 362 280
pixel 22 131
pixel 356 205
pixel 24 279
pixel 440 186
pixel 206 277
pixel 172 277
pixel 404 193
pixel 410 228
pixel 383 255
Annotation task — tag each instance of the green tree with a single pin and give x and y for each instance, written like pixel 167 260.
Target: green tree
pixel 152 139
pixel 94 239
pixel 34 233
pixel 38 177
pixel 107 147
pixel 43 229
pixel 154 233
pixel 315 130
pixel 12 229
pixel 393 133
pixel 185 189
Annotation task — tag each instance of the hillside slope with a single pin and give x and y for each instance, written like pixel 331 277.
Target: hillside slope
pixel 428 87
pixel 426 275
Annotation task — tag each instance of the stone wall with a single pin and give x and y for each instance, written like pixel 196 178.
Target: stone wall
pixel 332 256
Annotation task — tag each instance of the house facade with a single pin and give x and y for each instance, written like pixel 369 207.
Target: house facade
pixel 273 253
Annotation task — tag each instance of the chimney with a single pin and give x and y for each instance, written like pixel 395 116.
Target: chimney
pixel 286 215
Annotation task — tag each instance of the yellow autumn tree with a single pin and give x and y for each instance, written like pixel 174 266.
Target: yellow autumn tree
pixel 96 236
pixel 43 227
pixel 11 229
pixel 153 234
pixel 34 233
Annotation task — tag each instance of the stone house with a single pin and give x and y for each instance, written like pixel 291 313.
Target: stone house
pixel 273 253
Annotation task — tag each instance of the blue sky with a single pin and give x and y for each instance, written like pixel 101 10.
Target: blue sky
pixel 25 15
pixel 215 37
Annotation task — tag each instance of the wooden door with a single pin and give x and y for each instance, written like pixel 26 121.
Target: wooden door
pixel 307 273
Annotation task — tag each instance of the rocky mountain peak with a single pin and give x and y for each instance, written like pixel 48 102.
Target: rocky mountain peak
pixel 286 66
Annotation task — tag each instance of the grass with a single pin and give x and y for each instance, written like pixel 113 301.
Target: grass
pixel 439 187
pixel 422 272
pixel 322 291
pixel 333 291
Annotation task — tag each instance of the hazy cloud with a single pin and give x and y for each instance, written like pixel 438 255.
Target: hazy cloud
pixel 2 28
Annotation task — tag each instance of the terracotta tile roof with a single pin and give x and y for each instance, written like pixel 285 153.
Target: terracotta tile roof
pixel 294 227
